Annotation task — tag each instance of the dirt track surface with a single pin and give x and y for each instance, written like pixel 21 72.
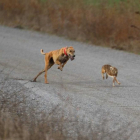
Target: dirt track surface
pixel 79 88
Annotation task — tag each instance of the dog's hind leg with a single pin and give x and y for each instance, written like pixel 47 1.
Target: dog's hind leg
pixel 38 75
pixel 48 65
pixel 46 76
pixel 46 69
pixel 42 72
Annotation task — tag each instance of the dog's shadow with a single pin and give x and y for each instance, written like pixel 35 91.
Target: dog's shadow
pixel 84 83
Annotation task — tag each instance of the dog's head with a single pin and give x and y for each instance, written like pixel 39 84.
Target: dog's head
pixel 71 52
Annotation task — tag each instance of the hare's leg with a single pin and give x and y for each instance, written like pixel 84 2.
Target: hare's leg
pixel 117 80
pixel 114 82
pixel 102 72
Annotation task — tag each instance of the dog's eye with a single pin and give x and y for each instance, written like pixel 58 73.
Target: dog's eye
pixel 70 51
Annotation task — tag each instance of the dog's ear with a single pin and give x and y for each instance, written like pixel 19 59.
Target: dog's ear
pixel 66 47
pixel 70 47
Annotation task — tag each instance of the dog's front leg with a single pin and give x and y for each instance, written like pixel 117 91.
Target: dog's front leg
pixel 60 65
pixel 64 64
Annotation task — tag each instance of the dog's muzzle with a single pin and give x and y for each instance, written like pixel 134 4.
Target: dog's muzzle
pixel 71 57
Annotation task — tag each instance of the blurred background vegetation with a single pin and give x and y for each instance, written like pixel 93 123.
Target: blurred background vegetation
pixel 109 23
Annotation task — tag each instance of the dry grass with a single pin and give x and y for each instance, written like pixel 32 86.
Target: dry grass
pixel 16 123
pixel 13 128
pixel 101 24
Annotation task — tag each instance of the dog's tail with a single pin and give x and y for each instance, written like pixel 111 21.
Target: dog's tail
pixel 42 52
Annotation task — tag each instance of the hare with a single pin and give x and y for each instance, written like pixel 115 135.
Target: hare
pixel 111 72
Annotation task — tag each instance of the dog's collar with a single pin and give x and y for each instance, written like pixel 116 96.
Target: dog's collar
pixel 65 51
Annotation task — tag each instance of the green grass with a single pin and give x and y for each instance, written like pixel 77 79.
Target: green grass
pixel 107 3
pixel 43 0
pixel 94 2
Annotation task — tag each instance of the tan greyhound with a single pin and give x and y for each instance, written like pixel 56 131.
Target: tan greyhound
pixel 59 57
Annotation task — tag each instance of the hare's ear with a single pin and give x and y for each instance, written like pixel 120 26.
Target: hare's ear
pixel 111 68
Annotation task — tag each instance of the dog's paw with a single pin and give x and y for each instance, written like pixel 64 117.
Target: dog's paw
pixel 119 83
pixel 60 68
pixel 46 82
pixel 32 80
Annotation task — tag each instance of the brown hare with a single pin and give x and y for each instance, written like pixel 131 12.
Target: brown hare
pixel 111 72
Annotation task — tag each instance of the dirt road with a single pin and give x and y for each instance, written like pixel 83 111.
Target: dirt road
pixel 79 88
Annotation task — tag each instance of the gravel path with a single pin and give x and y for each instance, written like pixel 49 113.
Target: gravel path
pixel 79 89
